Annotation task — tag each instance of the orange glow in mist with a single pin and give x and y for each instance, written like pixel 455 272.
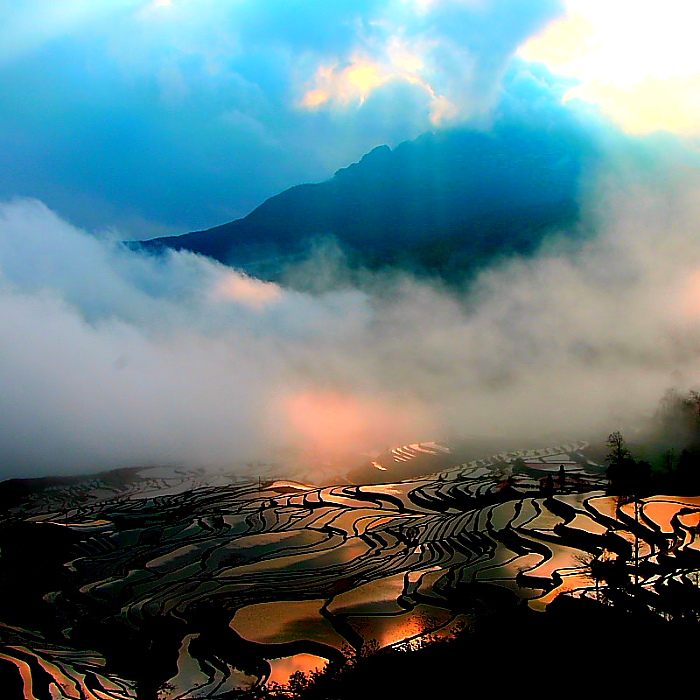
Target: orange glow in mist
pixel 247 291
pixel 689 302
pixel 333 422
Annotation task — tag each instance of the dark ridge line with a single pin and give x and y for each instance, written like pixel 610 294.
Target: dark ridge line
pixel 611 523
pixel 494 566
pixel 516 543
pixel 375 542
pixel 430 503
pixel 682 532
pixel 561 509
pixel 581 539
pixel 653 536
pixel 651 524
pixel 378 498
pixel 339 622
pixel 489 524
pixel 537 583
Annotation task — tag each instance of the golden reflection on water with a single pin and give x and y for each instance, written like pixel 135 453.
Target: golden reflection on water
pixel 663 511
pixel 25 672
pixel 282 669
pixel 376 596
pixel 388 630
pixel 285 621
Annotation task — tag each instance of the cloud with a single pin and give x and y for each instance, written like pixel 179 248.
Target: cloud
pixel 29 24
pixel 637 63
pixel 183 115
pixel 113 358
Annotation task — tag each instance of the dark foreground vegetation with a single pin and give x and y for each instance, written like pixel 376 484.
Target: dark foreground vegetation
pixel 667 460
pixel 579 648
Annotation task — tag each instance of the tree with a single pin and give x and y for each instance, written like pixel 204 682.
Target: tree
pixel 618 448
pixel 627 476
pixel 693 401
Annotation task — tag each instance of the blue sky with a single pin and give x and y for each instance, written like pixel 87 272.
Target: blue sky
pixel 171 115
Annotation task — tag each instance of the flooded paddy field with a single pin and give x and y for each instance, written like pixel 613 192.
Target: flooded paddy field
pixel 170 586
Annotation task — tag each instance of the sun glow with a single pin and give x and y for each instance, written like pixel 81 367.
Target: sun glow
pixel 637 61
pixel 246 291
pixel 333 423
pixel 688 298
pixel 344 84
pixel 354 82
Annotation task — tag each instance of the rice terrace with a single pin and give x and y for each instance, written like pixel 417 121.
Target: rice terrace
pixel 158 584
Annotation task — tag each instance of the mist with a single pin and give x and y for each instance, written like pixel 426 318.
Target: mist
pixel 110 357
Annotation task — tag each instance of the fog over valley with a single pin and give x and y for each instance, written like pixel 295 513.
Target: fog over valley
pixel 508 246
pixel 114 357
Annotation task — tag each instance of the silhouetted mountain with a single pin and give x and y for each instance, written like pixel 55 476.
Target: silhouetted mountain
pixel 443 203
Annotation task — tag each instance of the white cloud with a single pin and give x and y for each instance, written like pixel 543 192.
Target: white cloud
pixel 636 60
pixel 111 358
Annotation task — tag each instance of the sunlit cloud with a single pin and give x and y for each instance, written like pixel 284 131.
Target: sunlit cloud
pixel 404 58
pixel 686 296
pixel 638 61
pixel 343 84
pixel 649 105
pixel 351 84
pixel 246 290
pixel 442 110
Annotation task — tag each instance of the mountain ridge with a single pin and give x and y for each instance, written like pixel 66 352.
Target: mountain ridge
pixel 442 203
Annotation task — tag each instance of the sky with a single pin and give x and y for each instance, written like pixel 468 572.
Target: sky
pixel 634 60
pixel 164 116
pixel 128 118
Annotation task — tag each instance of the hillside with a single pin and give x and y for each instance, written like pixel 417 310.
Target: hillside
pixel 443 203
pixel 158 584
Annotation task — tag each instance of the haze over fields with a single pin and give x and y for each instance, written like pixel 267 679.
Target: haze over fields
pixel 128 120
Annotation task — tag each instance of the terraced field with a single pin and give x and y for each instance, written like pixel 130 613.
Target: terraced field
pixel 185 590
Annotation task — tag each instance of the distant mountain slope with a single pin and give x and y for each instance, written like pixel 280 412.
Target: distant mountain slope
pixel 442 203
